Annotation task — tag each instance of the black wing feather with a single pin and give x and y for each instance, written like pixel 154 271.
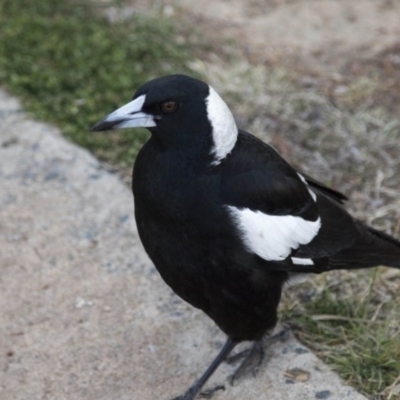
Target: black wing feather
pixel 254 176
pixel 327 191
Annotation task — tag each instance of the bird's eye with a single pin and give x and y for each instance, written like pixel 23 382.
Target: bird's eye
pixel 169 106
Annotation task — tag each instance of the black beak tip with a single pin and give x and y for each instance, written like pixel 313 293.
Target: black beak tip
pixel 102 126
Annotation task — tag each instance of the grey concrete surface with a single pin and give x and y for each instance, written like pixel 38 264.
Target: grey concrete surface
pixel 84 314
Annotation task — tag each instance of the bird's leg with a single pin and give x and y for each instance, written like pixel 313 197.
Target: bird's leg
pixel 195 388
pixel 253 357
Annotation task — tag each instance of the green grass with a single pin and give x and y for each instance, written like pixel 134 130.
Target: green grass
pixel 71 66
pixel 354 334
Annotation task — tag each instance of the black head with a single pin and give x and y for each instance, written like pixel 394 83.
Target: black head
pixel 181 113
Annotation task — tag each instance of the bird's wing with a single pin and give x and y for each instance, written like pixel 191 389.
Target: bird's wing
pixel 279 215
pixel 320 187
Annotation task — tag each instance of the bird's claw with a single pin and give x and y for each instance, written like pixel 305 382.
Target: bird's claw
pixel 236 357
pixel 207 394
pixel 251 364
pixel 253 357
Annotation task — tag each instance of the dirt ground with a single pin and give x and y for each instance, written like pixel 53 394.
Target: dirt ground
pixel 324 35
pixel 335 41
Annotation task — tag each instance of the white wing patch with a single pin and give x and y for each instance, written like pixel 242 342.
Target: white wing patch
pixel 302 261
pixel 273 237
pixel 224 129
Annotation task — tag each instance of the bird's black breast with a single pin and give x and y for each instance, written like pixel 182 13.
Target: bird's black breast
pixel 193 242
pixel 168 189
pixel 179 221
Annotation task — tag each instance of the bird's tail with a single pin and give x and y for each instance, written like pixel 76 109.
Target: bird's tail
pixel 371 248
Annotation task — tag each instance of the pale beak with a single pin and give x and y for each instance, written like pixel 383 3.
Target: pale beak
pixel 128 116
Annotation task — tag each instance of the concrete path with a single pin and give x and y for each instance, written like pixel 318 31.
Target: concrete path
pixel 83 313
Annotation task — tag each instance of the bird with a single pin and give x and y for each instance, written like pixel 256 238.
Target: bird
pixel 226 220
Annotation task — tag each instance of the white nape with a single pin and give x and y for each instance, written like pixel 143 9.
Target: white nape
pixel 273 237
pixel 224 129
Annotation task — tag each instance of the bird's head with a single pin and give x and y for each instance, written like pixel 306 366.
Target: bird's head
pixel 182 113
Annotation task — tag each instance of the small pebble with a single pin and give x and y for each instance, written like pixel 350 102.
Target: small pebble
pixel 323 394
pixel 79 302
pixel 301 350
pixel 297 374
pixel 123 218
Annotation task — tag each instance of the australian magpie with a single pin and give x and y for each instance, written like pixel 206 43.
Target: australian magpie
pixel 225 219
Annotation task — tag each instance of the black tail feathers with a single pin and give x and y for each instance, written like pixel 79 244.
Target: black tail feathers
pixel 373 248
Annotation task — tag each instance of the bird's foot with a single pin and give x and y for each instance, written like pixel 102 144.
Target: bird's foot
pixel 253 357
pixel 251 364
pixel 238 356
